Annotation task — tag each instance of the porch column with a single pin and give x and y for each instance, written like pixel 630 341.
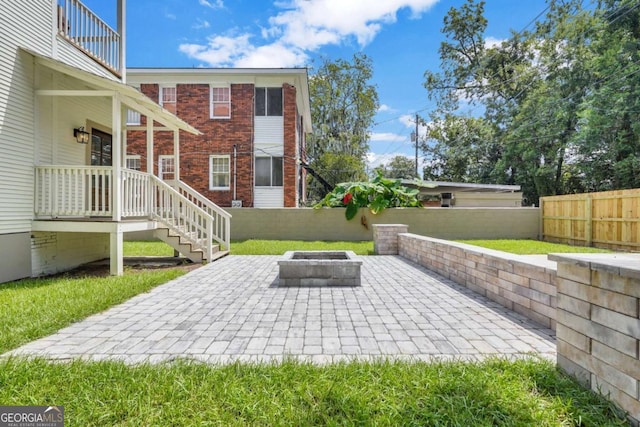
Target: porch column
pixel 116 265
pixel 149 145
pixel 176 154
pixel 116 185
pixel 121 28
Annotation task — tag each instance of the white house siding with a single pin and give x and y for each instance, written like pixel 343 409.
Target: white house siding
pixel 269 129
pixel 268 197
pixel 69 54
pixel 56 252
pixel 26 24
pixel 30 25
pixel 58 116
pixel 269 141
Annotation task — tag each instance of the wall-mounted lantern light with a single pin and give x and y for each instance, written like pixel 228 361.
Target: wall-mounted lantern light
pixel 82 137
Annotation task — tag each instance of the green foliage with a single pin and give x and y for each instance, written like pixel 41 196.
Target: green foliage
pixel 377 194
pixel 400 167
pixel 343 105
pixel 494 392
pixel 531 247
pixel 34 308
pixel 560 101
pixel 279 247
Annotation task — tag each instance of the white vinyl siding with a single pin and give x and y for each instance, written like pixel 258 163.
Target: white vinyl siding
pixel 16 106
pixel 268 197
pixel 70 54
pixel 269 129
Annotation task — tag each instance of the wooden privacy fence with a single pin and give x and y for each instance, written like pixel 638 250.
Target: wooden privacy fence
pixel 608 219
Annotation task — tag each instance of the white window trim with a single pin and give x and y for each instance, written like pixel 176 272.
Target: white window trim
pixel 160 97
pixel 135 115
pixel 133 157
pixel 219 156
pixel 211 87
pixel 160 169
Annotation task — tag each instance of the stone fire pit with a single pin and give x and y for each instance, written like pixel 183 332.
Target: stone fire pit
pixel 319 268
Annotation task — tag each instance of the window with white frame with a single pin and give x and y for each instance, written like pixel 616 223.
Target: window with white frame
pixel 133 117
pixel 268 101
pixel 219 172
pixel 133 162
pixel 168 98
pixel 166 167
pixel 269 171
pixel 220 102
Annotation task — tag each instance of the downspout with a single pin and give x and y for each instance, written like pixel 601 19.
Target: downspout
pixel 235 170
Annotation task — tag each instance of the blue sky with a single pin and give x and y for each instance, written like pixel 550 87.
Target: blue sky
pixel 402 38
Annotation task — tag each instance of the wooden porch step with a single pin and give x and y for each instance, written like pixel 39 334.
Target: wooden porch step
pixel 186 247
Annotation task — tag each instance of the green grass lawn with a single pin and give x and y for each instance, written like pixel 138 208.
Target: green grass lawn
pixel 34 308
pixel 253 247
pixel 531 247
pixel 491 393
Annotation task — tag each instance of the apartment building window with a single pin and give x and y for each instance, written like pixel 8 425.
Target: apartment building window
pixel 268 101
pixel 133 117
pixel 166 167
pixel 133 162
pixel 168 98
pixel 269 171
pixel 220 100
pixel 219 172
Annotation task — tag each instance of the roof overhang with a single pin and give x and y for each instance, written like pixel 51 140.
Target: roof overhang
pixel 130 96
pixel 435 187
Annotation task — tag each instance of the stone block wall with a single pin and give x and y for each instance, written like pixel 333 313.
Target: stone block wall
pixel 510 280
pixel 598 328
pixel 385 238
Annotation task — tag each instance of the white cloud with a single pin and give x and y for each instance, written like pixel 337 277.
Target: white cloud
pixel 272 56
pixel 217 4
pixel 170 15
pixel 387 136
pixel 311 24
pixel 490 42
pixel 409 120
pixel 200 24
pixel 373 160
pixel 384 108
pixel 220 50
pixel 300 27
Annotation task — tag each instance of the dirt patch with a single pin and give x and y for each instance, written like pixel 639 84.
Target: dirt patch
pixel 101 268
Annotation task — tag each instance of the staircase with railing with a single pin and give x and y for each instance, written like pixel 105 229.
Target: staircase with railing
pixel 185 219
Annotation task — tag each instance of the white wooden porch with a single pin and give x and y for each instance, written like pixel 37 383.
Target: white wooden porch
pixel 81 199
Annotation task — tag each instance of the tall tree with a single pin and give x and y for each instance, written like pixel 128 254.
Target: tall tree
pixel 343 105
pixel 399 167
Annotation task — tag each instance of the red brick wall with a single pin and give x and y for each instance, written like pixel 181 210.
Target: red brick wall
pixel 289 112
pixel 219 137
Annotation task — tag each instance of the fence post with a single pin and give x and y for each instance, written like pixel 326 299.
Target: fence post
pixel 588 228
pixel 541 225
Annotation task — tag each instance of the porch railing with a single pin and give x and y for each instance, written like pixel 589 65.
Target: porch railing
pixel 87 191
pixel 222 218
pixel 182 216
pixel 73 191
pixel 82 28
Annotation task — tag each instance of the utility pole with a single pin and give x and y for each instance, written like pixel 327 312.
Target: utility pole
pixel 417 175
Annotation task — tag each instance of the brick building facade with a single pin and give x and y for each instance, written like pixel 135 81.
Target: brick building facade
pixel 253 124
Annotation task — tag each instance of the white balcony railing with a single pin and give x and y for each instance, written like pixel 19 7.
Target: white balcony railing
pixel 82 28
